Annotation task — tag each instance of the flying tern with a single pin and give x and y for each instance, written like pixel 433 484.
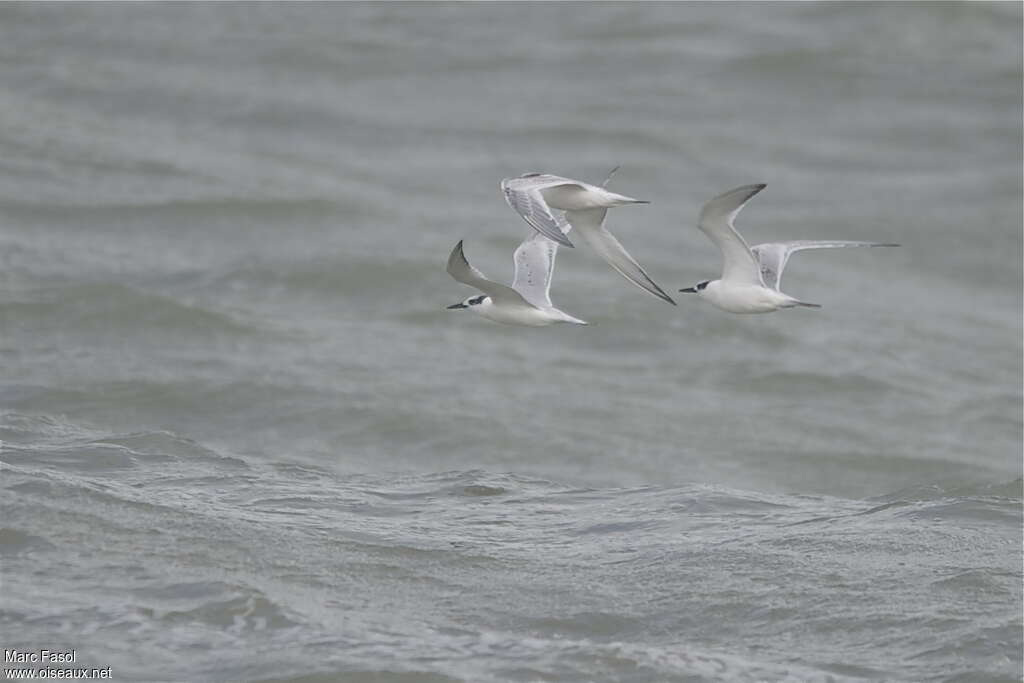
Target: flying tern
pixel 751 276
pixel 528 300
pixel 534 195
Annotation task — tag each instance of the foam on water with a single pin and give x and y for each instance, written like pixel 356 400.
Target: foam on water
pixel 256 569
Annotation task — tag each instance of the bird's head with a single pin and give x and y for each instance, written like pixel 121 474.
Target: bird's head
pixel 697 288
pixel 472 302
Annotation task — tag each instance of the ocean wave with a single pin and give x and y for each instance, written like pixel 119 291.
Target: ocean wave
pixel 289 553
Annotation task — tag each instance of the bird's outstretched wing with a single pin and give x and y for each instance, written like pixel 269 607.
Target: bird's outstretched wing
pixel 773 256
pixel 590 224
pixel 534 263
pixel 460 269
pixel 739 266
pixel 524 195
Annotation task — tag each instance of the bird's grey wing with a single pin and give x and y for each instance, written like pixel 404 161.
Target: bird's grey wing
pixel 460 269
pixel 590 224
pixel 540 180
pixel 739 265
pixel 773 256
pixel 524 195
pixel 534 262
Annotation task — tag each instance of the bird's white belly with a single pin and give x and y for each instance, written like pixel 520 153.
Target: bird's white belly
pixel 746 299
pixel 572 198
pixel 519 315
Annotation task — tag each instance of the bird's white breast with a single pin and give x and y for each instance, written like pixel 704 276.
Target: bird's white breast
pixel 572 198
pixel 515 315
pixel 744 298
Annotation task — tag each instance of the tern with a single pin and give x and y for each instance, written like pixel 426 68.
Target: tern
pixel 751 276
pixel 528 300
pixel 534 195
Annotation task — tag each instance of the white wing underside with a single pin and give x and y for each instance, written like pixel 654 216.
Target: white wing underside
pixel 773 256
pixel 590 224
pixel 460 269
pixel 524 195
pixel 534 264
pixel 739 265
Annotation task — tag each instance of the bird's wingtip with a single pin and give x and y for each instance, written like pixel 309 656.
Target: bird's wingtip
pixel 752 189
pixel 559 237
pixel 457 255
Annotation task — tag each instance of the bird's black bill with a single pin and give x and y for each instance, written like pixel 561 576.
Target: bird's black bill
pixel 457 306
pixel 689 290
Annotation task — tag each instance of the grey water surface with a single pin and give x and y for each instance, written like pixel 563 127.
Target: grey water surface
pixel 241 439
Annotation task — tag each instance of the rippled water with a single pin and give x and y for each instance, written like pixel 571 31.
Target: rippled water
pixel 242 439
